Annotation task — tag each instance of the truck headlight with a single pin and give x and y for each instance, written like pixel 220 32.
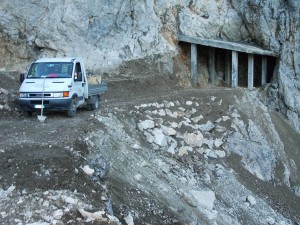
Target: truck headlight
pixel 61 94
pixel 58 95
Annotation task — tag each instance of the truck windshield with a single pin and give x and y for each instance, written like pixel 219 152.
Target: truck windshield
pixel 51 70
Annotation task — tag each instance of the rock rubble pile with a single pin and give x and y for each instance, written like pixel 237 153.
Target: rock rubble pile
pixel 51 207
pixel 179 128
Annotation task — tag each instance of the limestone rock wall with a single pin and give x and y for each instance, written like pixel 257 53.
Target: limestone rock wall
pixel 105 33
pixel 275 25
pixel 108 34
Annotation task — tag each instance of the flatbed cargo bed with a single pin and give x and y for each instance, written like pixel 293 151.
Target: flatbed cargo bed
pixel 96 89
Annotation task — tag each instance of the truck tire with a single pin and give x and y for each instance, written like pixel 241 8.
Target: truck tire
pixel 72 108
pixel 95 103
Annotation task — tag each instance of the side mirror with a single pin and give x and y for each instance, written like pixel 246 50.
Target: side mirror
pixel 22 77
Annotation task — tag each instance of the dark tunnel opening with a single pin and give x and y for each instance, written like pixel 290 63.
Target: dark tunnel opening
pixel 223 65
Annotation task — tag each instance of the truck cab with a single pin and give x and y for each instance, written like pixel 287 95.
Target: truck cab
pixel 55 84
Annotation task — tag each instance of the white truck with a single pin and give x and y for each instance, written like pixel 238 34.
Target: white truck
pixel 58 84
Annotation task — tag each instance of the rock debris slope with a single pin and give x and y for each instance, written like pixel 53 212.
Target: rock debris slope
pixel 211 156
pixel 179 153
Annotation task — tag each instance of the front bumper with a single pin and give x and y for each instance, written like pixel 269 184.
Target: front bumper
pixel 49 104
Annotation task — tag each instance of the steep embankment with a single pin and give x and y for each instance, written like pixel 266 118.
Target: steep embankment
pixel 190 142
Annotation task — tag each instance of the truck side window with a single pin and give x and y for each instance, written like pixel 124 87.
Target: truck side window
pixel 78 72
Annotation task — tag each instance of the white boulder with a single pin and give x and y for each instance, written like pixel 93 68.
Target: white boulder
pixel 159 137
pixel 129 219
pixel 184 150
pixel 206 127
pixel 58 214
pixel 218 143
pixel 204 199
pixel 188 102
pixel 161 112
pixel 146 124
pixel 220 153
pixel 87 170
pixel 251 200
pixel 168 131
pixel 149 137
pixel 225 118
pixel 193 139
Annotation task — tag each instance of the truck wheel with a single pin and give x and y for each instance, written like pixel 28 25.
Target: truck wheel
pixel 95 103
pixel 72 108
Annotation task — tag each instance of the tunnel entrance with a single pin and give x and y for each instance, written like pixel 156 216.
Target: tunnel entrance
pixel 236 64
pixel 257 70
pixel 271 62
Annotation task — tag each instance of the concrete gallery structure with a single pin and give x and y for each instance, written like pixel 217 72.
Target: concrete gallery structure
pixel 231 61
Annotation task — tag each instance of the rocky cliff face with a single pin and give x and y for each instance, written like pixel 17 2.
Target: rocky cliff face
pixel 107 34
pixel 275 25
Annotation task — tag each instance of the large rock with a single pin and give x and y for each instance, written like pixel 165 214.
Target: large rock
pixel 203 198
pixel 193 139
pixel 184 150
pixel 168 131
pixel 146 124
pixel 159 137
pixel 208 126
pixel 149 137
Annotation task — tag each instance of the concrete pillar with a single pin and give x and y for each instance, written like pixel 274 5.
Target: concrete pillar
pixel 234 69
pixel 212 65
pixel 263 70
pixel 250 71
pixel 194 69
pixel 227 67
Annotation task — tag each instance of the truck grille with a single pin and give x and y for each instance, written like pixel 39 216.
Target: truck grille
pixel 38 102
pixel 39 95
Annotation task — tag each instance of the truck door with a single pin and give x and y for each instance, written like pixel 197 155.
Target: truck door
pixel 79 82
